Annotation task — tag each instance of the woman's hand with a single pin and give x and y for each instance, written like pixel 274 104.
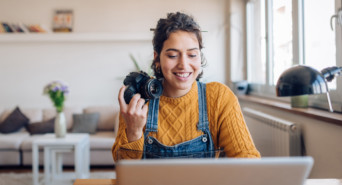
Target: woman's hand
pixel 134 114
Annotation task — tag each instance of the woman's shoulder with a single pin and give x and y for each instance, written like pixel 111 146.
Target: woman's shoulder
pixel 217 90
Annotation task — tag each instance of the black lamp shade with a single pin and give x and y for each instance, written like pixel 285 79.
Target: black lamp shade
pixel 301 80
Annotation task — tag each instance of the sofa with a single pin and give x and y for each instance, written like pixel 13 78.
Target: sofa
pixel 16 147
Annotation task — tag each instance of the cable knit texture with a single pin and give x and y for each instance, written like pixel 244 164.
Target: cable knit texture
pixel 178 118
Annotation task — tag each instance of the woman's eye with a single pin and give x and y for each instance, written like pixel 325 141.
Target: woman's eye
pixel 172 56
pixel 192 56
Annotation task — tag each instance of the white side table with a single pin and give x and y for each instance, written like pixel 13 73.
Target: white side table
pixel 53 156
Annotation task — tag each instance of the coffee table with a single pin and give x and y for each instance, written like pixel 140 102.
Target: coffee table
pixel 54 148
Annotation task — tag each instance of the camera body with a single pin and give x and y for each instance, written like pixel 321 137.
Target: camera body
pixel 140 82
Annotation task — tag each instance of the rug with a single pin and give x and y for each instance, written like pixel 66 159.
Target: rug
pixel 26 178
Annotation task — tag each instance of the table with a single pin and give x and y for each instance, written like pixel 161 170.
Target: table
pixel 53 156
pixel 113 182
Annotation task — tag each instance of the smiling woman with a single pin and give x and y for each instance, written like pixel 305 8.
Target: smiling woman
pixel 190 119
pixel 180 63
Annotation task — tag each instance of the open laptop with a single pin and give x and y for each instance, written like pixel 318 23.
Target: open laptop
pixel 221 171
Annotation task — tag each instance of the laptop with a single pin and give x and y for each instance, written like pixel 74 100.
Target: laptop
pixel 221 171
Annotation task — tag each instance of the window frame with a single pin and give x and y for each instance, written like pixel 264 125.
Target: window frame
pixel 267 90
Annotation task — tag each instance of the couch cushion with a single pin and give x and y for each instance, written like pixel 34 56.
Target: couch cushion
pixel 13 140
pixel 107 116
pixel 41 127
pixel 85 123
pixel 27 143
pixel 68 111
pixel 2 110
pixel 102 140
pixel 14 121
pixel 33 114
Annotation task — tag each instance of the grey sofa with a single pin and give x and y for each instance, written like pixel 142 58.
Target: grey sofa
pixel 16 147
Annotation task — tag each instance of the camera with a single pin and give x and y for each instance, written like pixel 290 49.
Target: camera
pixel 140 82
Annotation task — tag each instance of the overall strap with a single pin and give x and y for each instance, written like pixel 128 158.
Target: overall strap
pixel 152 118
pixel 203 123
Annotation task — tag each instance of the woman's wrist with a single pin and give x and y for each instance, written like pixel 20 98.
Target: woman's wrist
pixel 133 135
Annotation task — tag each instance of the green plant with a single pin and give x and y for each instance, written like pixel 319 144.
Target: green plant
pixel 56 90
pixel 137 66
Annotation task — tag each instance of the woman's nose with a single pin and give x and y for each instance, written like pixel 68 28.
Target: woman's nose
pixel 182 61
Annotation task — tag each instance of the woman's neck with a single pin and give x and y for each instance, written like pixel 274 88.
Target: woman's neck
pixel 171 92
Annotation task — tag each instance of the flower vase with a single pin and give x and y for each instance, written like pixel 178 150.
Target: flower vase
pixel 60 125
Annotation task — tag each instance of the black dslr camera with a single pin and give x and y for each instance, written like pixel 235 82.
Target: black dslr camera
pixel 142 83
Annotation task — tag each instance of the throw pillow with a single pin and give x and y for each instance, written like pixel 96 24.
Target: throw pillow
pixel 85 123
pixel 14 122
pixel 41 127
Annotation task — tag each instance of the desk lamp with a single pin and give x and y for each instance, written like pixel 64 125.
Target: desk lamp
pixel 305 80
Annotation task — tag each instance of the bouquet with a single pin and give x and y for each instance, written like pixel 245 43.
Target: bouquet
pixel 56 91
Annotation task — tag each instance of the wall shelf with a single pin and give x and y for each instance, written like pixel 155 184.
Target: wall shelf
pixel 74 37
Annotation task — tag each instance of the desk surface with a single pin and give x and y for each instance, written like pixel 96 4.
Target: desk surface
pixel 113 182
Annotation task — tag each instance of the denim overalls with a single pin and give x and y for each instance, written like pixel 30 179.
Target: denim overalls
pixel 199 147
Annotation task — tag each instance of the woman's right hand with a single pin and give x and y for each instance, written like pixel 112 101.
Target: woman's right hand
pixel 134 114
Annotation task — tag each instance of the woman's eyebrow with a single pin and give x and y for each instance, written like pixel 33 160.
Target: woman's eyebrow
pixel 193 49
pixel 173 49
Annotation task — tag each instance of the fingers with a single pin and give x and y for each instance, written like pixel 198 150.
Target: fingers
pixel 121 99
pixel 136 103
pixel 140 104
pixel 145 109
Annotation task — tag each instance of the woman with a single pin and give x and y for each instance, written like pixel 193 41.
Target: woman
pixel 190 119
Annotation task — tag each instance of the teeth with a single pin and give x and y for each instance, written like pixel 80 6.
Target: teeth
pixel 183 74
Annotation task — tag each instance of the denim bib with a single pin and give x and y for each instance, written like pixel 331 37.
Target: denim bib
pixel 200 147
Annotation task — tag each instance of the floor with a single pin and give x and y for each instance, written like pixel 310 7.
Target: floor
pixel 25 169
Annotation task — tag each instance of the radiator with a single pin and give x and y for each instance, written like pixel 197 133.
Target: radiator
pixel 273 136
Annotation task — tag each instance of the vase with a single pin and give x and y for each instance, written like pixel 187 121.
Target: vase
pixel 60 125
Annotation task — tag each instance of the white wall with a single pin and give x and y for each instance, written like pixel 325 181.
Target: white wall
pixel 95 70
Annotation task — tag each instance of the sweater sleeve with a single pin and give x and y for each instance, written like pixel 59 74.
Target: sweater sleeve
pixel 122 149
pixel 234 136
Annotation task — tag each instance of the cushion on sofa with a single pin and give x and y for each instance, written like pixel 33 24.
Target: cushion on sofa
pixel 13 140
pixel 102 140
pixel 68 111
pixel 33 114
pixel 41 127
pixel 1 113
pixel 107 116
pixel 14 122
pixel 85 123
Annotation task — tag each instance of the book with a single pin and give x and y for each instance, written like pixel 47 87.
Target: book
pixel 23 27
pixel 16 28
pixel 2 29
pixel 7 28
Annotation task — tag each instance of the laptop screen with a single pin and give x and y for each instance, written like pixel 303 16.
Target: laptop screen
pixel 220 171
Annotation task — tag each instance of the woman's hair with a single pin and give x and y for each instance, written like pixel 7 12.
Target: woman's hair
pixel 174 22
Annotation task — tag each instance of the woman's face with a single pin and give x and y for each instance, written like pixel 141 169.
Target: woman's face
pixel 180 62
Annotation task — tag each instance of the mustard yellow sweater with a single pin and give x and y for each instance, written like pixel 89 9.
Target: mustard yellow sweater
pixel 178 118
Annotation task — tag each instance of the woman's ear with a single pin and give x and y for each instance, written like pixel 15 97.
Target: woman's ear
pixel 155 55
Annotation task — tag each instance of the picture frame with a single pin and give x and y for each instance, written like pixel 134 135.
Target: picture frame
pixel 63 20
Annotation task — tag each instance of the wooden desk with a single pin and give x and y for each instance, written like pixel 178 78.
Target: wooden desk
pixel 95 182
pixel 113 182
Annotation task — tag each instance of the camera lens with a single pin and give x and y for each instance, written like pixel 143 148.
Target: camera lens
pixel 153 88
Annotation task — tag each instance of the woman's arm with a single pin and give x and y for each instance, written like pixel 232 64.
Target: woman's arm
pixel 232 132
pixel 122 149
pixel 133 118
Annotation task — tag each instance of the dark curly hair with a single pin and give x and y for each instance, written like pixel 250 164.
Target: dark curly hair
pixel 174 22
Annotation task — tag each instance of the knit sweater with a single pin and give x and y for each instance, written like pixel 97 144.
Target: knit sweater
pixel 178 119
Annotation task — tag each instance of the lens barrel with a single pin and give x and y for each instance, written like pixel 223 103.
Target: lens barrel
pixel 142 83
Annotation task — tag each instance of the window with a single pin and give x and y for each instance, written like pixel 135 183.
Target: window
pixel 283 33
